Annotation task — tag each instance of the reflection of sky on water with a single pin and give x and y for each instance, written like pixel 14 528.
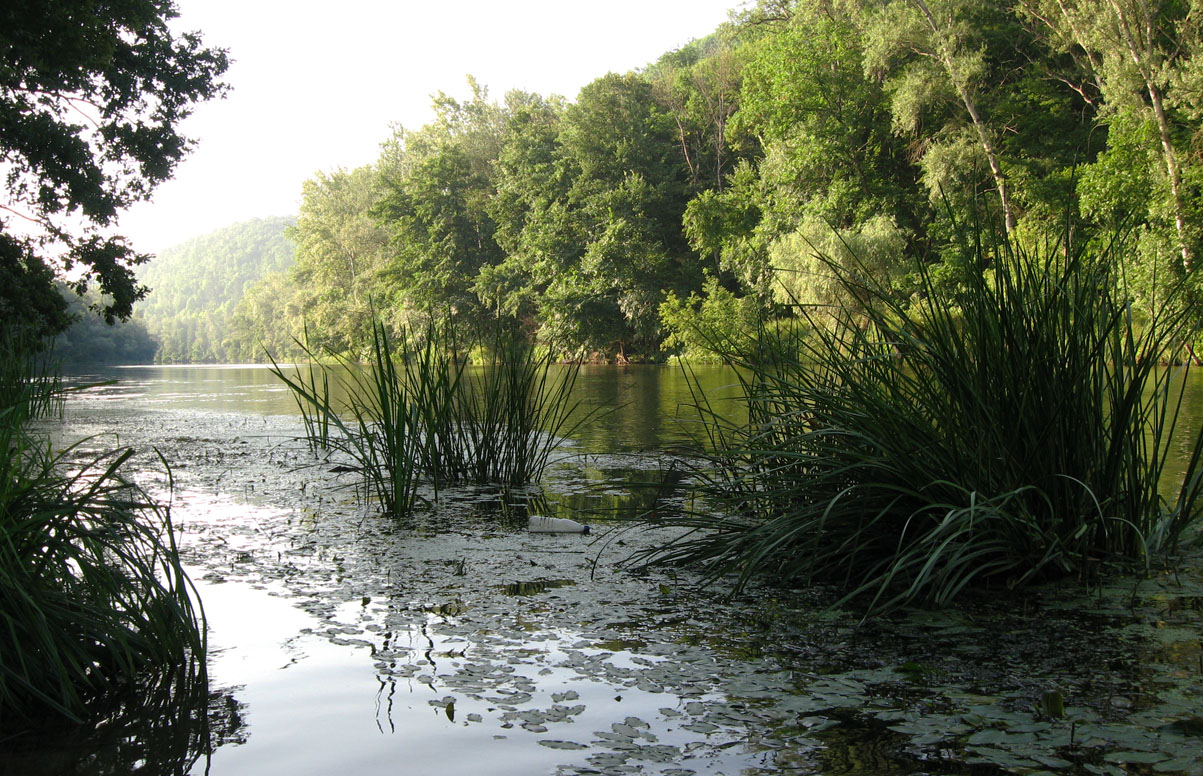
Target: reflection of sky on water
pixel 315 707
pixel 454 674
pixel 240 388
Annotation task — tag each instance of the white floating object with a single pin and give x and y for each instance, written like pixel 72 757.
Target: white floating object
pixel 545 524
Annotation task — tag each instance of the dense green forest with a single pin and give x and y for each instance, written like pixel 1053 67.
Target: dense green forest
pixel 196 288
pixel 696 193
pixel 89 341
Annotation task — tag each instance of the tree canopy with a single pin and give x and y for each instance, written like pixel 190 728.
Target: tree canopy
pixel 659 203
pixel 91 96
pixel 90 342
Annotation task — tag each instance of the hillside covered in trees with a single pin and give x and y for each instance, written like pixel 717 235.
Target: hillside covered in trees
pixel 696 192
pixel 196 287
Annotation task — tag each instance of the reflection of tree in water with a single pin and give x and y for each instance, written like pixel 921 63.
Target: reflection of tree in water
pixel 161 724
pixel 226 722
pixel 588 487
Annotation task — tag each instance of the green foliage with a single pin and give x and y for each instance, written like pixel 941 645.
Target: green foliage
pixel 29 303
pixel 341 251
pixel 421 416
pixel 434 207
pixel 694 324
pixel 197 286
pixel 823 124
pixel 801 262
pixel 1011 428
pixel 529 214
pixel 133 79
pixel 90 341
pixel 729 158
pixel 698 86
pixel 266 319
pixel 827 154
pixel 92 595
pixel 1142 61
pixel 625 204
pixel 29 383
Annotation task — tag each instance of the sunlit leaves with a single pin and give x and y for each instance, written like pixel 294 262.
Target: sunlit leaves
pixel 90 100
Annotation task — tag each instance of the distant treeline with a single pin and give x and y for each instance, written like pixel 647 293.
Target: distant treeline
pixel 692 197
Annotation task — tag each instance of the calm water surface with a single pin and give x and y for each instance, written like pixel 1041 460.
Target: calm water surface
pixel 380 649
pixel 460 644
pixel 651 403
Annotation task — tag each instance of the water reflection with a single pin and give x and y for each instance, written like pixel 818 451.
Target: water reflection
pixel 647 407
pixel 347 643
pixel 650 407
pixel 165 723
pixel 228 388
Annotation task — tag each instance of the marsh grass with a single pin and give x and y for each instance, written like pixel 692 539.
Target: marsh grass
pixel 1011 429
pixel 92 595
pixel 511 413
pixel 418 415
pixel 29 381
pixel 313 402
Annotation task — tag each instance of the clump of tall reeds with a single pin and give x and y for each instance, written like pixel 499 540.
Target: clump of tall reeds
pixel 1009 428
pixel 418 414
pixel 92 595
pixel 29 380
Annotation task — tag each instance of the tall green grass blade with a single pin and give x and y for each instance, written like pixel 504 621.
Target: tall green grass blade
pixel 418 418
pixel 92 594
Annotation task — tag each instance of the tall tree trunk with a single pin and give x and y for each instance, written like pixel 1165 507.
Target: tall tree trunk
pixel 983 132
pixel 1140 58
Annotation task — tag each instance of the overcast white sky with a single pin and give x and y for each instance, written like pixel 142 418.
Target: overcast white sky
pixel 315 85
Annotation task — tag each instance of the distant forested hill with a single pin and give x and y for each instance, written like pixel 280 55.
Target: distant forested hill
pixel 196 285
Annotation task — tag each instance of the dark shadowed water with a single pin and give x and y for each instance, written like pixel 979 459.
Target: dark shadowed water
pixel 459 643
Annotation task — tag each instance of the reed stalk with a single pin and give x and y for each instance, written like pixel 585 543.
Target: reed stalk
pixel 419 419
pixel 92 595
pixel 29 380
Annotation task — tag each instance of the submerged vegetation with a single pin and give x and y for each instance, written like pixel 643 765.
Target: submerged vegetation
pixel 1010 427
pixel 95 609
pixel 421 416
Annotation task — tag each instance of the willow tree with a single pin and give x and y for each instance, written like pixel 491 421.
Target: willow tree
pixel 933 51
pixel 698 86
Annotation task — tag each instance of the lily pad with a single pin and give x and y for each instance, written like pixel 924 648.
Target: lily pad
pixel 1135 757
pixel 556 744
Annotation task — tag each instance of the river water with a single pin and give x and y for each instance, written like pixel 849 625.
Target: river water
pixel 458 643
